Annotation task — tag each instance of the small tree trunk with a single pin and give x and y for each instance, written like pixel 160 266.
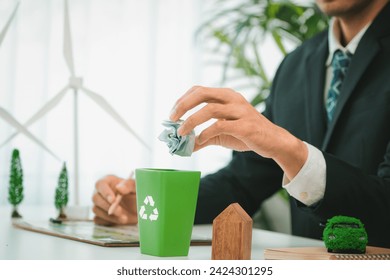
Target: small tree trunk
pixel 61 215
pixel 15 213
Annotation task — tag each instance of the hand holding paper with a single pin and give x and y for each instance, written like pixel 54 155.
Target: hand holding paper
pixel 177 144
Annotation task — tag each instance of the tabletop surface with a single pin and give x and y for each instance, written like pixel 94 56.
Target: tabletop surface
pixel 18 244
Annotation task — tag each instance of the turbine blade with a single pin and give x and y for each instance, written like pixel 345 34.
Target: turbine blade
pixel 48 106
pixel 45 109
pixel 5 29
pixel 67 47
pixel 13 122
pixel 99 100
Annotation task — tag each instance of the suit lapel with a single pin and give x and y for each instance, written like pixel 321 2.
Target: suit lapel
pixel 365 53
pixel 315 65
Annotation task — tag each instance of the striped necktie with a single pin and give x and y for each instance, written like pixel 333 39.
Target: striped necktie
pixel 340 63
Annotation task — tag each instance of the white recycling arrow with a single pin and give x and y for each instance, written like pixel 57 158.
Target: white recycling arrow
pixel 142 213
pixel 151 201
pixel 154 216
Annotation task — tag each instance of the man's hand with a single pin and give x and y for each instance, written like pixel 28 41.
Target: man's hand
pixel 106 190
pixel 238 126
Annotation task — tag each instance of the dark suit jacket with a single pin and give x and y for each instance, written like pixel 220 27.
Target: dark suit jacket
pixel 356 145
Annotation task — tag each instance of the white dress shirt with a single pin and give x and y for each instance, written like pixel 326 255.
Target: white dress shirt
pixel 308 186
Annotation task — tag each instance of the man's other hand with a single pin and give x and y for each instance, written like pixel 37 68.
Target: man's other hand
pixel 106 190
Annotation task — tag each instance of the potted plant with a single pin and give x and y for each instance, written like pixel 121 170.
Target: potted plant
pixel 238 28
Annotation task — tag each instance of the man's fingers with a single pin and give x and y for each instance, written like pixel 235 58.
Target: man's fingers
pixel 222 133
pixel 105 187
pixel 100 221
pixel 127 206
pixel 173 114
pixel 210 111
pixel 191 90
pixel 119 211
pixel 123 219
pixel 218 128
pixel 198 96
pixel 99 201
pixel 225 141
pixel 209 142
pixel 129 202
pixel 102 214
pixel 126 186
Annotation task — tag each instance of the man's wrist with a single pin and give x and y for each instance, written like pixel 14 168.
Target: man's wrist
pixel 308 186
pixel 291 156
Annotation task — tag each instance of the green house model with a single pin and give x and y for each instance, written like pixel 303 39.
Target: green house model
pixel 344 234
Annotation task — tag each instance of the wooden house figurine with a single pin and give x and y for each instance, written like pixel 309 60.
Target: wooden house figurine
pixel 232 234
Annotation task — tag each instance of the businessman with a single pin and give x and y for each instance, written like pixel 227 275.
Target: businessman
pixel 324 137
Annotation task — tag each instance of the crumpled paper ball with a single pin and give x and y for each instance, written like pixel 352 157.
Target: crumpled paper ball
pixel 178 145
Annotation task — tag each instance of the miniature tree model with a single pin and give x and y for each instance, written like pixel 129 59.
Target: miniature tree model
pixel 15 190
pixel 61 196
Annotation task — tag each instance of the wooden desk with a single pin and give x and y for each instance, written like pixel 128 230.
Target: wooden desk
pixel 17 244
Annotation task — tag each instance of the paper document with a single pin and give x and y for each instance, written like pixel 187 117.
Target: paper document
pixel 88 232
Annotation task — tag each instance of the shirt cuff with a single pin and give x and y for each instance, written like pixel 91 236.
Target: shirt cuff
pixel 308 186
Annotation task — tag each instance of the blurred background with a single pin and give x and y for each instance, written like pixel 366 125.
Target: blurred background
pixel 140 56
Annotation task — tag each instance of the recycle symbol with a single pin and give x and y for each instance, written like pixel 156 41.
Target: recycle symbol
pixel 154 215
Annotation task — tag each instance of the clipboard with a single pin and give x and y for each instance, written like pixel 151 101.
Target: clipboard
pixel 88 232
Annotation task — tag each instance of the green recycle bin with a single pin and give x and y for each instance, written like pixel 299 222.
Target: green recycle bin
pixel 166 203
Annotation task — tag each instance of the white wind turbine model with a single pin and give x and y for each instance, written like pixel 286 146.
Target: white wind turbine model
pixel 75 84
pixel 4 114
pixel 5 29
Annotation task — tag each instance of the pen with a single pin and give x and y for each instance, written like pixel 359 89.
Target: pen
pixel 118 199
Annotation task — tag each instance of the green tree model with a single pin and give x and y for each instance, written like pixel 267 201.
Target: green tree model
pixel 61 196
pixel 15 190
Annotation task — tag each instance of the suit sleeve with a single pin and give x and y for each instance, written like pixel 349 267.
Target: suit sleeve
pixel 351 192
pixel 248 179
